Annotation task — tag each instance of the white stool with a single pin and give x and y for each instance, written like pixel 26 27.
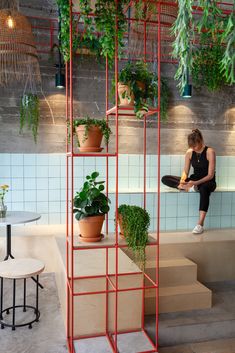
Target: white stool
pixel 19 269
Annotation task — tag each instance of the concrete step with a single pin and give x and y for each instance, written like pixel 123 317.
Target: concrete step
pixel 179 298
pixel 215 346
pixel 173 272
pixel 216 323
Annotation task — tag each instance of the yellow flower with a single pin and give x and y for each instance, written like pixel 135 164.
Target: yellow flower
pixel 4 186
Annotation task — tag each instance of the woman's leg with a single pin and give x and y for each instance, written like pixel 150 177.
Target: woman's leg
pixel 205 190
pixel 171 181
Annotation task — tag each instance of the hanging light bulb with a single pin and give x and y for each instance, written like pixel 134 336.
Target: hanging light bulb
pixel 10 22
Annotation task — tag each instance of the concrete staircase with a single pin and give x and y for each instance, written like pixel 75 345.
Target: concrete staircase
pixel 179 288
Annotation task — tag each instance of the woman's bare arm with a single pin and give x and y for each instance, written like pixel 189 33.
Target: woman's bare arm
pixel 187 165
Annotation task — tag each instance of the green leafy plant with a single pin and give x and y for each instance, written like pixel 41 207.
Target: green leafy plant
pixel 206 65
pixel 29 113
pixel 188 27
pixel 90 200
pixel 88 122
pixel 135 224
pixel 147 94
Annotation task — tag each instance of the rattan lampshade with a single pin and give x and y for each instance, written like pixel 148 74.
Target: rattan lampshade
pixel 18 54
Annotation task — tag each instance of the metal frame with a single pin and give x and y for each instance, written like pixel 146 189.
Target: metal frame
pixel 72 249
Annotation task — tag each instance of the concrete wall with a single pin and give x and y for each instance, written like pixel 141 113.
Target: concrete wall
pixel 214 113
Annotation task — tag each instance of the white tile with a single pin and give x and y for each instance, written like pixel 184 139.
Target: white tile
pixel 17 159
pixel 123 171
pixel 54 218
pixel 54 183
pixel 42 159
pixel 89 161
pixel 43 219
pixel 42 195
pixel 42 207
pixel 29 183
pixel 17 206
pixel 62 171
pixel 29 171
pixel 123 159
pixel 18 196
pixel 42 171
pixel 17 184
pixel 17 171
pixel 133 160
pixel 5 172
pixel 54 159
pixel 30 206
pixel 54 206
pixel 54 195
pixel 29 159
pixel 30 195
pixel 5 159
pixel 63 160
pixel 54 171
pixel 42 183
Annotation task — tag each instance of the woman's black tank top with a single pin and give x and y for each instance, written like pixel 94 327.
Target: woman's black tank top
pixel 200 165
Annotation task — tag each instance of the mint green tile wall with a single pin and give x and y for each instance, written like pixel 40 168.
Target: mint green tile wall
pixel 37 183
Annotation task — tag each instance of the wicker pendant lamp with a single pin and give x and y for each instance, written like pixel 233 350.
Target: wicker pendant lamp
pixel 18 54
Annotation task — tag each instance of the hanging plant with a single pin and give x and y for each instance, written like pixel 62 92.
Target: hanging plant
pixel 206 65
pixel 216 24
pixel 142 85
pixel 135 222
pixel 29 113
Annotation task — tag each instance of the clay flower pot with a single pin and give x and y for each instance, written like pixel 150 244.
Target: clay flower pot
pixel 90 228
pixel 92 142
pixel 121 226
pixel 128 99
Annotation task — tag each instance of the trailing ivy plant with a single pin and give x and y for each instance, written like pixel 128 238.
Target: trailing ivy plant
pixel 29 113
pixel 88 122
pixel 135 224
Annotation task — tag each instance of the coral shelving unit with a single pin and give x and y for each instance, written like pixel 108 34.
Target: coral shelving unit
pixel 115 287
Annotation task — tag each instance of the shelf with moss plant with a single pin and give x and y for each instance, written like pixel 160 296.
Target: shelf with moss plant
pixel 138 92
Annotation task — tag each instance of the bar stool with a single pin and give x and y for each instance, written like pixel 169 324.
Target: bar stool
pixel 19 269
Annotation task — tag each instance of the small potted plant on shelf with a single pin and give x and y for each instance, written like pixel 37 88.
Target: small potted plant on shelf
pixel 3 208
pixel 90 207
pixel 138 87
pixel 90 133
pixel 134 222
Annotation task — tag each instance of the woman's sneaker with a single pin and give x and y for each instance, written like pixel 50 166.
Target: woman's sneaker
pixel 198 229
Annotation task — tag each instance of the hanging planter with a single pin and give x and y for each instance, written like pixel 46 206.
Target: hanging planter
pixel 29 113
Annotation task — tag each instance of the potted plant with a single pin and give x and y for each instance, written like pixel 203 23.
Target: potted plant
pixel 90 133
pixel 134 222
pixel 3 208
pixel 138 87
pixel 29 113
pixel 90 206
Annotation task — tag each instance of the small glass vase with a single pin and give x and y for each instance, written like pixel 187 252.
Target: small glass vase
pixel 3 210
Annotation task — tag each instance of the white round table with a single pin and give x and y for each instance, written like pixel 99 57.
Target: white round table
pixel 16 217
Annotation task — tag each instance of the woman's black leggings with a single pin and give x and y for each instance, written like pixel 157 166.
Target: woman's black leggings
pixel 204 189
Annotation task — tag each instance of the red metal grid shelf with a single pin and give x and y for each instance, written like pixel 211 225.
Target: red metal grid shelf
pixel 129 111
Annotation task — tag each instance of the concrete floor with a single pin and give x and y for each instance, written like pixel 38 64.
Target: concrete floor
pixel 47 335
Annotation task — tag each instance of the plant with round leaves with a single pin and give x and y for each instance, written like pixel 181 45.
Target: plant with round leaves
pixel 143 85
pixel 89 122
pixel 135 224
pixel 90 200
pixel 29 113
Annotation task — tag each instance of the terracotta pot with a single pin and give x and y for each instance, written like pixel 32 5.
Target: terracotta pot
pixel 90 228
pixel 125 89
pixel 121 226
pixel 93 141
pixel 129 100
